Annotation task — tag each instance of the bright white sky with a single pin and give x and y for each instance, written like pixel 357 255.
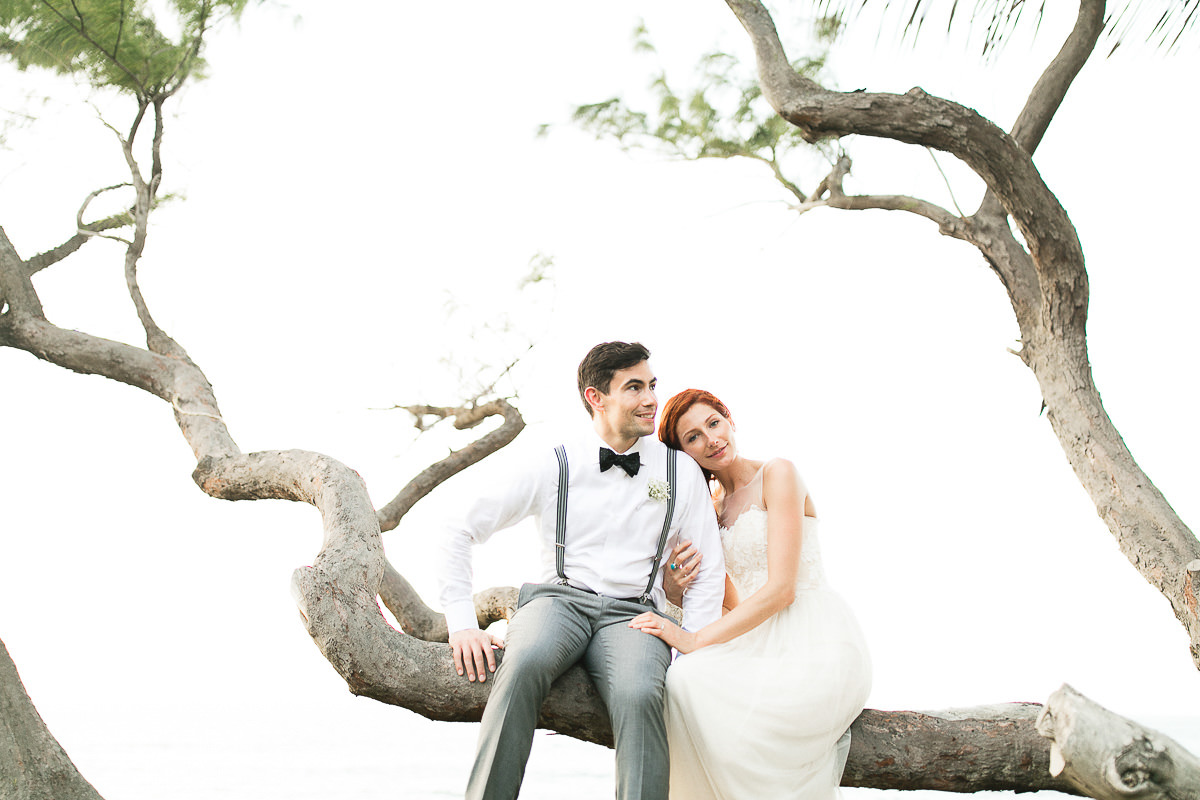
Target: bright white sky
pixel 350 166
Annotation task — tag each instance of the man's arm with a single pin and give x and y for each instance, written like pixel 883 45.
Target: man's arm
pixel 472 648
pixel 702 602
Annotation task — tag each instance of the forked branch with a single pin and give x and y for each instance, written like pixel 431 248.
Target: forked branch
pixel 465 417
pixel 829 194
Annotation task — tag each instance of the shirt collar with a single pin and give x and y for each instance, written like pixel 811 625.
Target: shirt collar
pixel 596 443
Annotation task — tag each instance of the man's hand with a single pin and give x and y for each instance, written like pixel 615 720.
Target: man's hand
pixel 472 649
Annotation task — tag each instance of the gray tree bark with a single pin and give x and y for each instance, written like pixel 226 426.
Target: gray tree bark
pixel 1045 276
pixel 1109 757
pixel 33 766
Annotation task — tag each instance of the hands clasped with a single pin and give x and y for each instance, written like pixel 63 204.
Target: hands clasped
pixel 680 571
pixel 473 652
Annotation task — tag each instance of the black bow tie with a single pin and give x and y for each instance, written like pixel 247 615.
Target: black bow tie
pixel 630 462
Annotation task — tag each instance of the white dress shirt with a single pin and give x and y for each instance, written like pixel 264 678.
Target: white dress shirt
pixel 613 527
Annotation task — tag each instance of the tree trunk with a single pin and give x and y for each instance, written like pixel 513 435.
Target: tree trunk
pixel 33 766
pixel 1109 757
pixel 1045 277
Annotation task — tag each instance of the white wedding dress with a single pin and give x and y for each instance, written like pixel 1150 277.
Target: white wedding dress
pixel 760 717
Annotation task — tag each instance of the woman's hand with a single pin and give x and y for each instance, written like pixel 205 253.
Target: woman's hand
pixel 657 625
pixel 680 570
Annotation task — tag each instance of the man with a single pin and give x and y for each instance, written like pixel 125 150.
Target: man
pixel 604 572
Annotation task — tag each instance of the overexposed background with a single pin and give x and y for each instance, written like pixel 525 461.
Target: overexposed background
pixel 349 167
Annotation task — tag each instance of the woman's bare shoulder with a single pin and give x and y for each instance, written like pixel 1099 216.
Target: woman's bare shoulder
pixel 782 481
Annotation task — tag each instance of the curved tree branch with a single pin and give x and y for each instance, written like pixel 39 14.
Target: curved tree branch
pixel 464 418
pixel 1047 285
pixel 85 231
pixel 49 258
pixel 831 185
pixel 1051 88
pixel 919 118
pixel 419 620
pixel 1005 255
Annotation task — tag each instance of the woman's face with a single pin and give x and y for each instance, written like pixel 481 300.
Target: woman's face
pixel 707 437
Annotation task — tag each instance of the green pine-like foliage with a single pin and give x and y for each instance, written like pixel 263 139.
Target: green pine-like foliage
pixel 722 115
pixel 112 43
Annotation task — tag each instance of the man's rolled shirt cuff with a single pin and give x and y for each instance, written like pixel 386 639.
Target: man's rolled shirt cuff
pixel 461 615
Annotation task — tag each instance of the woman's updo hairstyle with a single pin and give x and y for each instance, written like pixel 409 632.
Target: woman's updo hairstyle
pixel 674 409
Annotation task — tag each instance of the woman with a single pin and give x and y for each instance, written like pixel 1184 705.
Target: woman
pixel 757 706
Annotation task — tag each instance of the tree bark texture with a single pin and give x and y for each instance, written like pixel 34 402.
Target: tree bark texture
pixel 1045 275
pixel 33 766
pixel 1109 757
pixel 989 748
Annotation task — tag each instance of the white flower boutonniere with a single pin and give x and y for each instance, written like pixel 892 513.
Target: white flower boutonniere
pixel 660 490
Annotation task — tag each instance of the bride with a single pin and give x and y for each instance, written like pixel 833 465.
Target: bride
pixel 760 705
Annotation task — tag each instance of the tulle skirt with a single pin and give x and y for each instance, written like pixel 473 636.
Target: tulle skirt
pixel 760 717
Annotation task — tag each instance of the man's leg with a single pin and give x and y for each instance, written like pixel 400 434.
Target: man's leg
pixel 546 636
pixel 629 668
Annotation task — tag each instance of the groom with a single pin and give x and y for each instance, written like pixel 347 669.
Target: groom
pixel 601 545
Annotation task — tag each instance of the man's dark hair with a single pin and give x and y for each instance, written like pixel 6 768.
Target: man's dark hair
pixel 602 361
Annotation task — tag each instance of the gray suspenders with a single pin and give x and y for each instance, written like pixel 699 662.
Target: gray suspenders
pixel 560 526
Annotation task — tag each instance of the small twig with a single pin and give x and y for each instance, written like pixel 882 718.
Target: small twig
pixel 949 188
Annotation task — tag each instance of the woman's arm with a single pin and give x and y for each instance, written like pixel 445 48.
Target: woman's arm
pixel 784 496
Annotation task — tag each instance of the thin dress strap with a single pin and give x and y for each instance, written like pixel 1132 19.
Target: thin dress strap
pixel 739 500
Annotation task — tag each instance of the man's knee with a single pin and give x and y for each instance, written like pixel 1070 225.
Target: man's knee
pixel 523 671
pixel 639 698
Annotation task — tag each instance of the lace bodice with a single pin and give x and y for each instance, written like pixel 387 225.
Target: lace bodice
pixel 745 546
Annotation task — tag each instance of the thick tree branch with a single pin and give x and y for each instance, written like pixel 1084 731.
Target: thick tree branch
pixel 16 290
pixel 918 118
pixel 1005 255
pixel 178 382
pixel 1051 88
pixel 419 620
pixel 1109 757
pixel 32 762
pixel 464 418
pixel 988 748
pixel 1047 285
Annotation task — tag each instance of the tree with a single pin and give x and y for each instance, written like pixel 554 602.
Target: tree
pixel 1020 228
pixel 1043 272
pixel 337 593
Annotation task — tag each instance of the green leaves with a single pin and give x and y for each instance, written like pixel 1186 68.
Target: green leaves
pixel 723 115
pixel 112 43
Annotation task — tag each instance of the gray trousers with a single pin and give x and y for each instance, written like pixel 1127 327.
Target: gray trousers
pixel 554 628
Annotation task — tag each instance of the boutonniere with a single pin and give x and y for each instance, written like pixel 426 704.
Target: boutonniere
pixel 660 490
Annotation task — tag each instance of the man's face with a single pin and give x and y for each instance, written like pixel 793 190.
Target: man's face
pixel 629 407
